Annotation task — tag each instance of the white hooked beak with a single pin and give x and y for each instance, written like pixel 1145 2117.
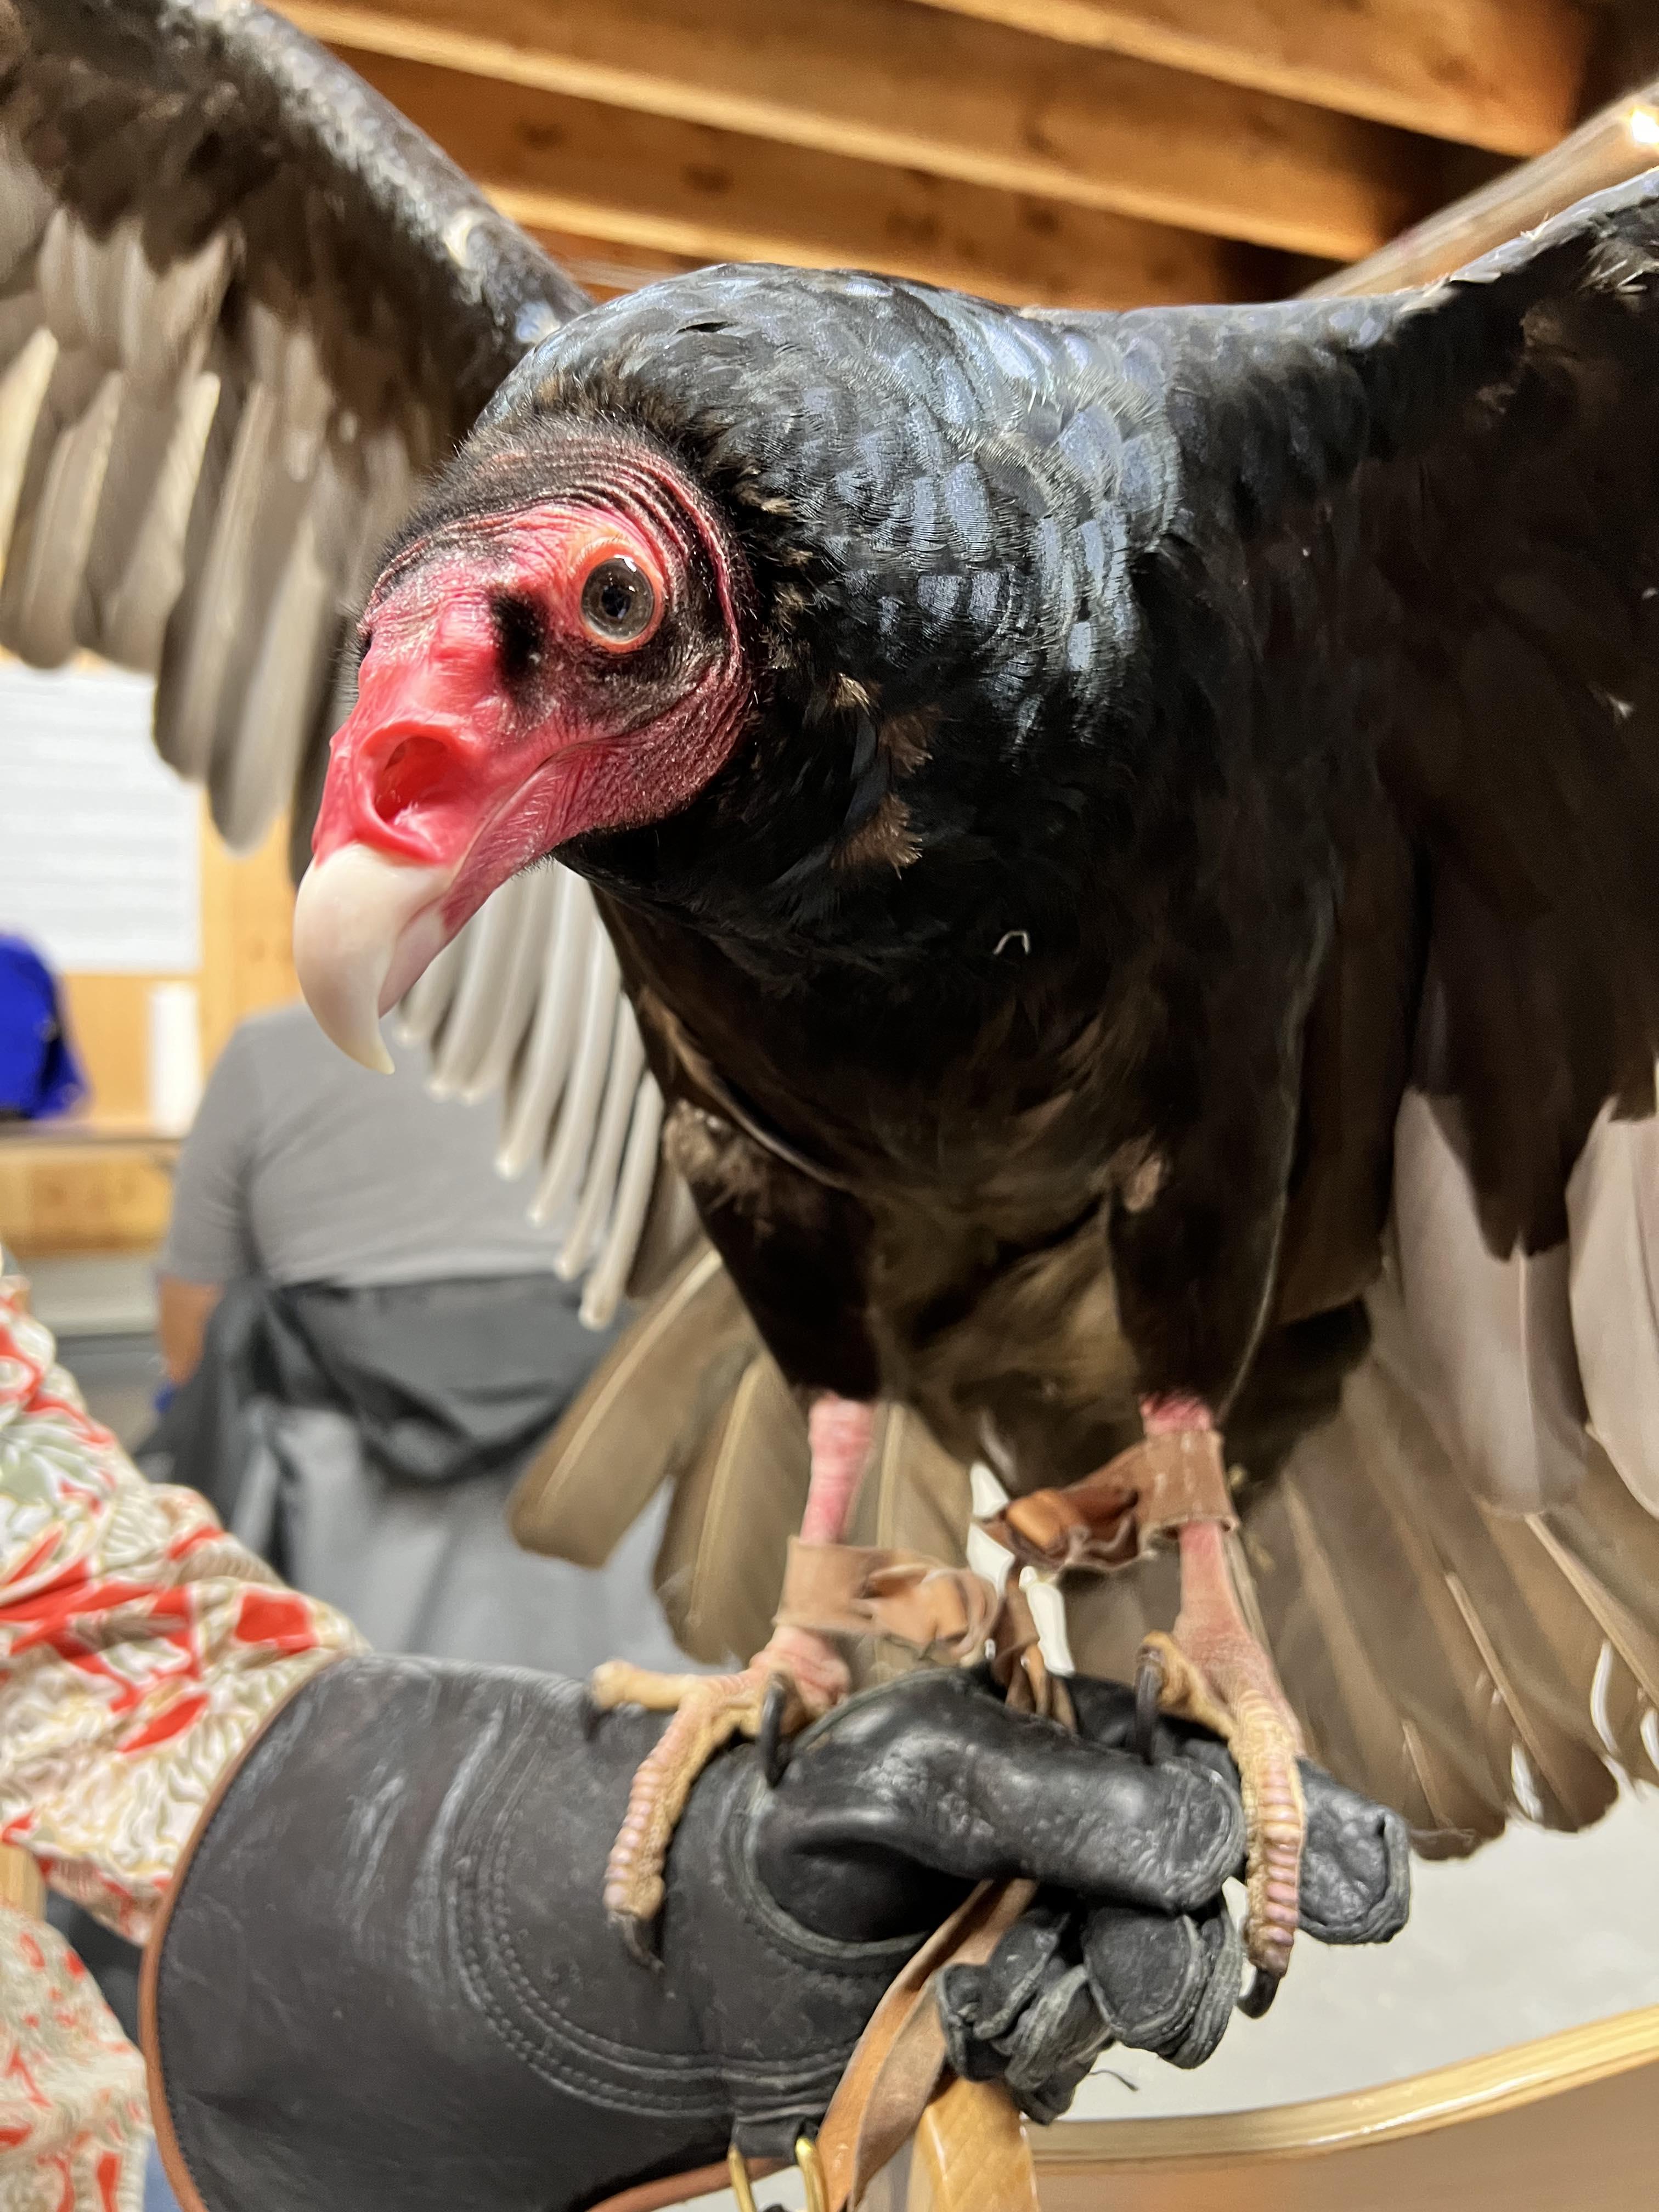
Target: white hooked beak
pixel 365 927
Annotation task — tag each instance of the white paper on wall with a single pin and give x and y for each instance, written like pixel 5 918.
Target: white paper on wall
pixel 175 1056
pixel 99 842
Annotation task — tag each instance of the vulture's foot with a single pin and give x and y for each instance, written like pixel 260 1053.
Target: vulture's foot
pixel 708 1710
pixel 1214 1672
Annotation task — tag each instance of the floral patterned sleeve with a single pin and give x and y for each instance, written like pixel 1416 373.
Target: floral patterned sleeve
pixel 140 1646
pixel 74 2121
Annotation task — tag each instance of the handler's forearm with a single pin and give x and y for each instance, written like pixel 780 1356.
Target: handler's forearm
pixel 140 1646
pixel 412 1855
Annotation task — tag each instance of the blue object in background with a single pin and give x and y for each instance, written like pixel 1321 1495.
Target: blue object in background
pixel 39 1074
pixel 158 2190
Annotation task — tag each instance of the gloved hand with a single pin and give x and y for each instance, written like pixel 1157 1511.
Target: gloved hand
pixel 388 1979
pixel 1131 1941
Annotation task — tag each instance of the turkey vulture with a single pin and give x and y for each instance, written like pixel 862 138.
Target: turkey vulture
pixel 1082 803
pixel 1128 837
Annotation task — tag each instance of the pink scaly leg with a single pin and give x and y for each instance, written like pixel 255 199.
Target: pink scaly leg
pixel 839 1430
pixel 1212 1671
pixel 709 1710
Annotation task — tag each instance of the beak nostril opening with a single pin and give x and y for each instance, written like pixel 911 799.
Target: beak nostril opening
pixel 413 774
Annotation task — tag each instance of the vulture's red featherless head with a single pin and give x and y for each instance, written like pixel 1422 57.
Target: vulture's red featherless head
pixel 534 668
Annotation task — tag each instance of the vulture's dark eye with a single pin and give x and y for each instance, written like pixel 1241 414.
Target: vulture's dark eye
pixel 520 633
pixel 619 602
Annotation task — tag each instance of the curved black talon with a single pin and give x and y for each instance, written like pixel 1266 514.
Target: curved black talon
pixel 1257 2000
pixel 640 1937
pixel 771 1745
pixel 1149 1689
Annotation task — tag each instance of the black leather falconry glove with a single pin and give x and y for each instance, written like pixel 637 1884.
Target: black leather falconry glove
pixel 386 1980
pixel 1074 1978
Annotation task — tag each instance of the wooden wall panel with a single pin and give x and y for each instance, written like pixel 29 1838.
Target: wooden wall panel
pixel 65 1193
pixel 109 1024
pixel 247 928
pixel 22 1883
pixel 101 1183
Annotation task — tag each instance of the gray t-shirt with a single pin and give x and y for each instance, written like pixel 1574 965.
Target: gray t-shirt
pixel 306 1168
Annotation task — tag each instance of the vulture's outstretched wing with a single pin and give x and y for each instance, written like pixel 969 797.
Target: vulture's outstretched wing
pixel 1468 477
pixel 527 1001
pixel 1458 1571
pixel 244 308
pixel 1458 1575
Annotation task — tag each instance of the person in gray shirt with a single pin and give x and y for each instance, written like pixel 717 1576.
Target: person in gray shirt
pixel 305 1167
pixel 368 1340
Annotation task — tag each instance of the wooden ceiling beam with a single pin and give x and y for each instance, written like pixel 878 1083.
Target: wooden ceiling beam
pixel 884 81
pixel 1613 146
pixel 666 187
pixel 605 266
pixel 1507 74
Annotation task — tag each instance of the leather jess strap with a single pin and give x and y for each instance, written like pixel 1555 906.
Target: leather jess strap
pixel 897 2084
pixel 941 1613
pixel 853 1589
pixel 1115 1516
pixel 896 2075
pixel 899 2064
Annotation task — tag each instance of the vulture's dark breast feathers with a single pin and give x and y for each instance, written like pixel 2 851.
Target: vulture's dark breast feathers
pixel 1178 729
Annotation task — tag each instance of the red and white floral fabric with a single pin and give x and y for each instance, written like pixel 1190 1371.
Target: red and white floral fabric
pixel 74 2124
pixel 140 1648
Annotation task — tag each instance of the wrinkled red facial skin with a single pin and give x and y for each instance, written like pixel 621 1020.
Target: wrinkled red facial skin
pixel 444 761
